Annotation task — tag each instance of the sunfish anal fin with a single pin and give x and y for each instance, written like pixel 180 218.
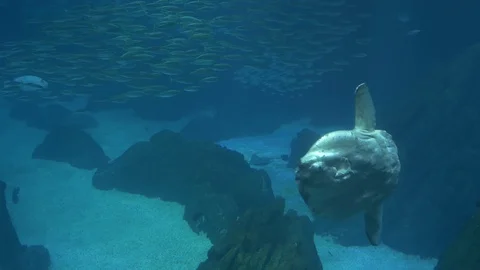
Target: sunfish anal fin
pixel 373 223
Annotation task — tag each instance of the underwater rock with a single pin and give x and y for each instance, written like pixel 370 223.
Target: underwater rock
pixel 238 117
pixel 224 127
pixel 161 109
pixel 10 245
pixel 204 128
pixel 300 145
pixel 51 116
pixel 35 257
pixel 257 160
pixel 464 252
pixel 23 111
pixel 214 183
pixel 15 195
pixel 79 120
pixel 205 216
pixel 14 255
pixel 266 238
pixel 72 146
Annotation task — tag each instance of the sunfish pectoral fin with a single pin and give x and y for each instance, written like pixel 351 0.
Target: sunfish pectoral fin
pixel 373 223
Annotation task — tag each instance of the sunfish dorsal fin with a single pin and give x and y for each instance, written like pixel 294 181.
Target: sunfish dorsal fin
pixel 364 109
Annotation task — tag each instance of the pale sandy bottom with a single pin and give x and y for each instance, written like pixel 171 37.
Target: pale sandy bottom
pixel 87 229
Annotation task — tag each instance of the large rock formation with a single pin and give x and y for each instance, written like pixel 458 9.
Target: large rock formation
pixel 14 255
pixel 51 116
pixel 223 127
pixel 266 238
pixel 464 252
pixel 215 184
pixel 242 114
pixel 72 146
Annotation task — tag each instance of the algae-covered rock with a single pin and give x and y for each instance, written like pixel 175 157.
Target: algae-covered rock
pixel 73 146
pixel 464 252
pixel 51 116
pixel 266 239
pixel 13 254
pixel 215 184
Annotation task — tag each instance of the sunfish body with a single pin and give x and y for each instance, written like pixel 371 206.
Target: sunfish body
pixel 350 171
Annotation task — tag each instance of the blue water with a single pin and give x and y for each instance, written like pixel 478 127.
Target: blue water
pixel 247 75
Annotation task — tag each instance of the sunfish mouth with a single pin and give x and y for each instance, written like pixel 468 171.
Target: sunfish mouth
pixel 303 172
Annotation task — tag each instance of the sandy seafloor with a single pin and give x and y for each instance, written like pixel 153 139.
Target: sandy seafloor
pixel 88 229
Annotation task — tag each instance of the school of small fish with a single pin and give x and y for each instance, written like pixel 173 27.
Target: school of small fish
pixel 164 48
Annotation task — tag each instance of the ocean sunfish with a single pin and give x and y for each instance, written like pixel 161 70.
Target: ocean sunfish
pixel 351 171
